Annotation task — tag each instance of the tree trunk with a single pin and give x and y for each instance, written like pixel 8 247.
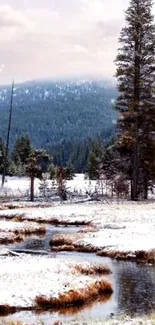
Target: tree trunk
pixel 8 136
pixel 145 188
pixel 131 189
pixel 32 189
pixel 135 172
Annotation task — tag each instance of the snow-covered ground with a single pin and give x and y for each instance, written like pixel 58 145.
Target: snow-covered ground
pixel 125 228
pixel 19 227
pixel 126 321
pixel 24 278
pixel 150 320
pixel 12 231
pixel 20 186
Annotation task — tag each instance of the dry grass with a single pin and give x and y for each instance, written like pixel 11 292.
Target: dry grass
pixel 10 240
pixel 75 297
pixel 57 222
pixel 53 220
pixel 146 256
pixel 61 240
pixel 65 242
pixel 74 248
pixel 85 249
pixel 113 254
pixel 6 310
pixel 63 248
pixel 138 256
pixel 31 231
pixel 93 270
pixel 73 310
pixel 17 218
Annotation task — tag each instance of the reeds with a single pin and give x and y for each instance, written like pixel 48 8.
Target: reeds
pixel 30 231
pixel 6 310
pixel 93 270
pixel 10 240
pixel 66 242
pixel 75 297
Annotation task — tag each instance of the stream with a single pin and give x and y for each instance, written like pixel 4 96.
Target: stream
pixel 133 284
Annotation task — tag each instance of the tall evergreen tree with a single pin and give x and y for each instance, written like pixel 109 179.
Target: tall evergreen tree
pixel 95 164
pixel 22 150
pixel 136 103
pixel 37 164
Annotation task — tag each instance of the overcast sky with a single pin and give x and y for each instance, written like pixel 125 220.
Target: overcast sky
pixel 59 38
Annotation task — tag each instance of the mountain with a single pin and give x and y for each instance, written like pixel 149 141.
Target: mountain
pixel 56 112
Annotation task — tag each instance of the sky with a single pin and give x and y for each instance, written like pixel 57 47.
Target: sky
pixel 59 38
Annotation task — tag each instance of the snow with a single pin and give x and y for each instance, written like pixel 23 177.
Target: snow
pixel 126 321
pixel 20 186
pixel 126 227
pixel 21 227
pixel 127 240
pixel 37 276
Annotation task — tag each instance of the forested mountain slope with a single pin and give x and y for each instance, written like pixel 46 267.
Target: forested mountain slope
pixel 52 113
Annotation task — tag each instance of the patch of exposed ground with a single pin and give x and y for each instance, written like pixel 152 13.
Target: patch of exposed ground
pixel 44 282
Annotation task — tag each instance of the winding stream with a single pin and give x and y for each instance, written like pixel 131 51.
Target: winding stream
pixel 133 284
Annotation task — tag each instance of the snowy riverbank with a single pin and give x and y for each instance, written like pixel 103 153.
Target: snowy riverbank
pixel 26 282
pixel 123 230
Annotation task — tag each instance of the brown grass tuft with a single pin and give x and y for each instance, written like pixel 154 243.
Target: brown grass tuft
pixel 63 248
pixel 119 255
pixel 93 270
pixel 146 256
pixel 31 231
pixel 75 297
pixel 60 240
pixel 85 249
pixel 6 310
pixel 6 240
pixel 19 238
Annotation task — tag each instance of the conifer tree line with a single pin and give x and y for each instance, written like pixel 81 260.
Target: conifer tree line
pixel 136 103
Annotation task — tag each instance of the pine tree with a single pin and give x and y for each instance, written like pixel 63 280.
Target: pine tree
pixel 136 103
pixel 22 150
pixel 37 164
pixel 95 160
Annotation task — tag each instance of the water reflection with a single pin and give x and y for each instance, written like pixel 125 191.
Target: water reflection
pixel 42 242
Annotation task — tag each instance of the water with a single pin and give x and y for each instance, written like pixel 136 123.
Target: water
pixel 133 284
pixel 42 242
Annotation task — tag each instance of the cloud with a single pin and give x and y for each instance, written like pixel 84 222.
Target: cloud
pixel 59 38
pixel 10 18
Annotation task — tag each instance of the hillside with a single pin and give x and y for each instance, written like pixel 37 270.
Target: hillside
pixel 55 113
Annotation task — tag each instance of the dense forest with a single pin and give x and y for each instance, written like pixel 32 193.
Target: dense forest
pixel 62 117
